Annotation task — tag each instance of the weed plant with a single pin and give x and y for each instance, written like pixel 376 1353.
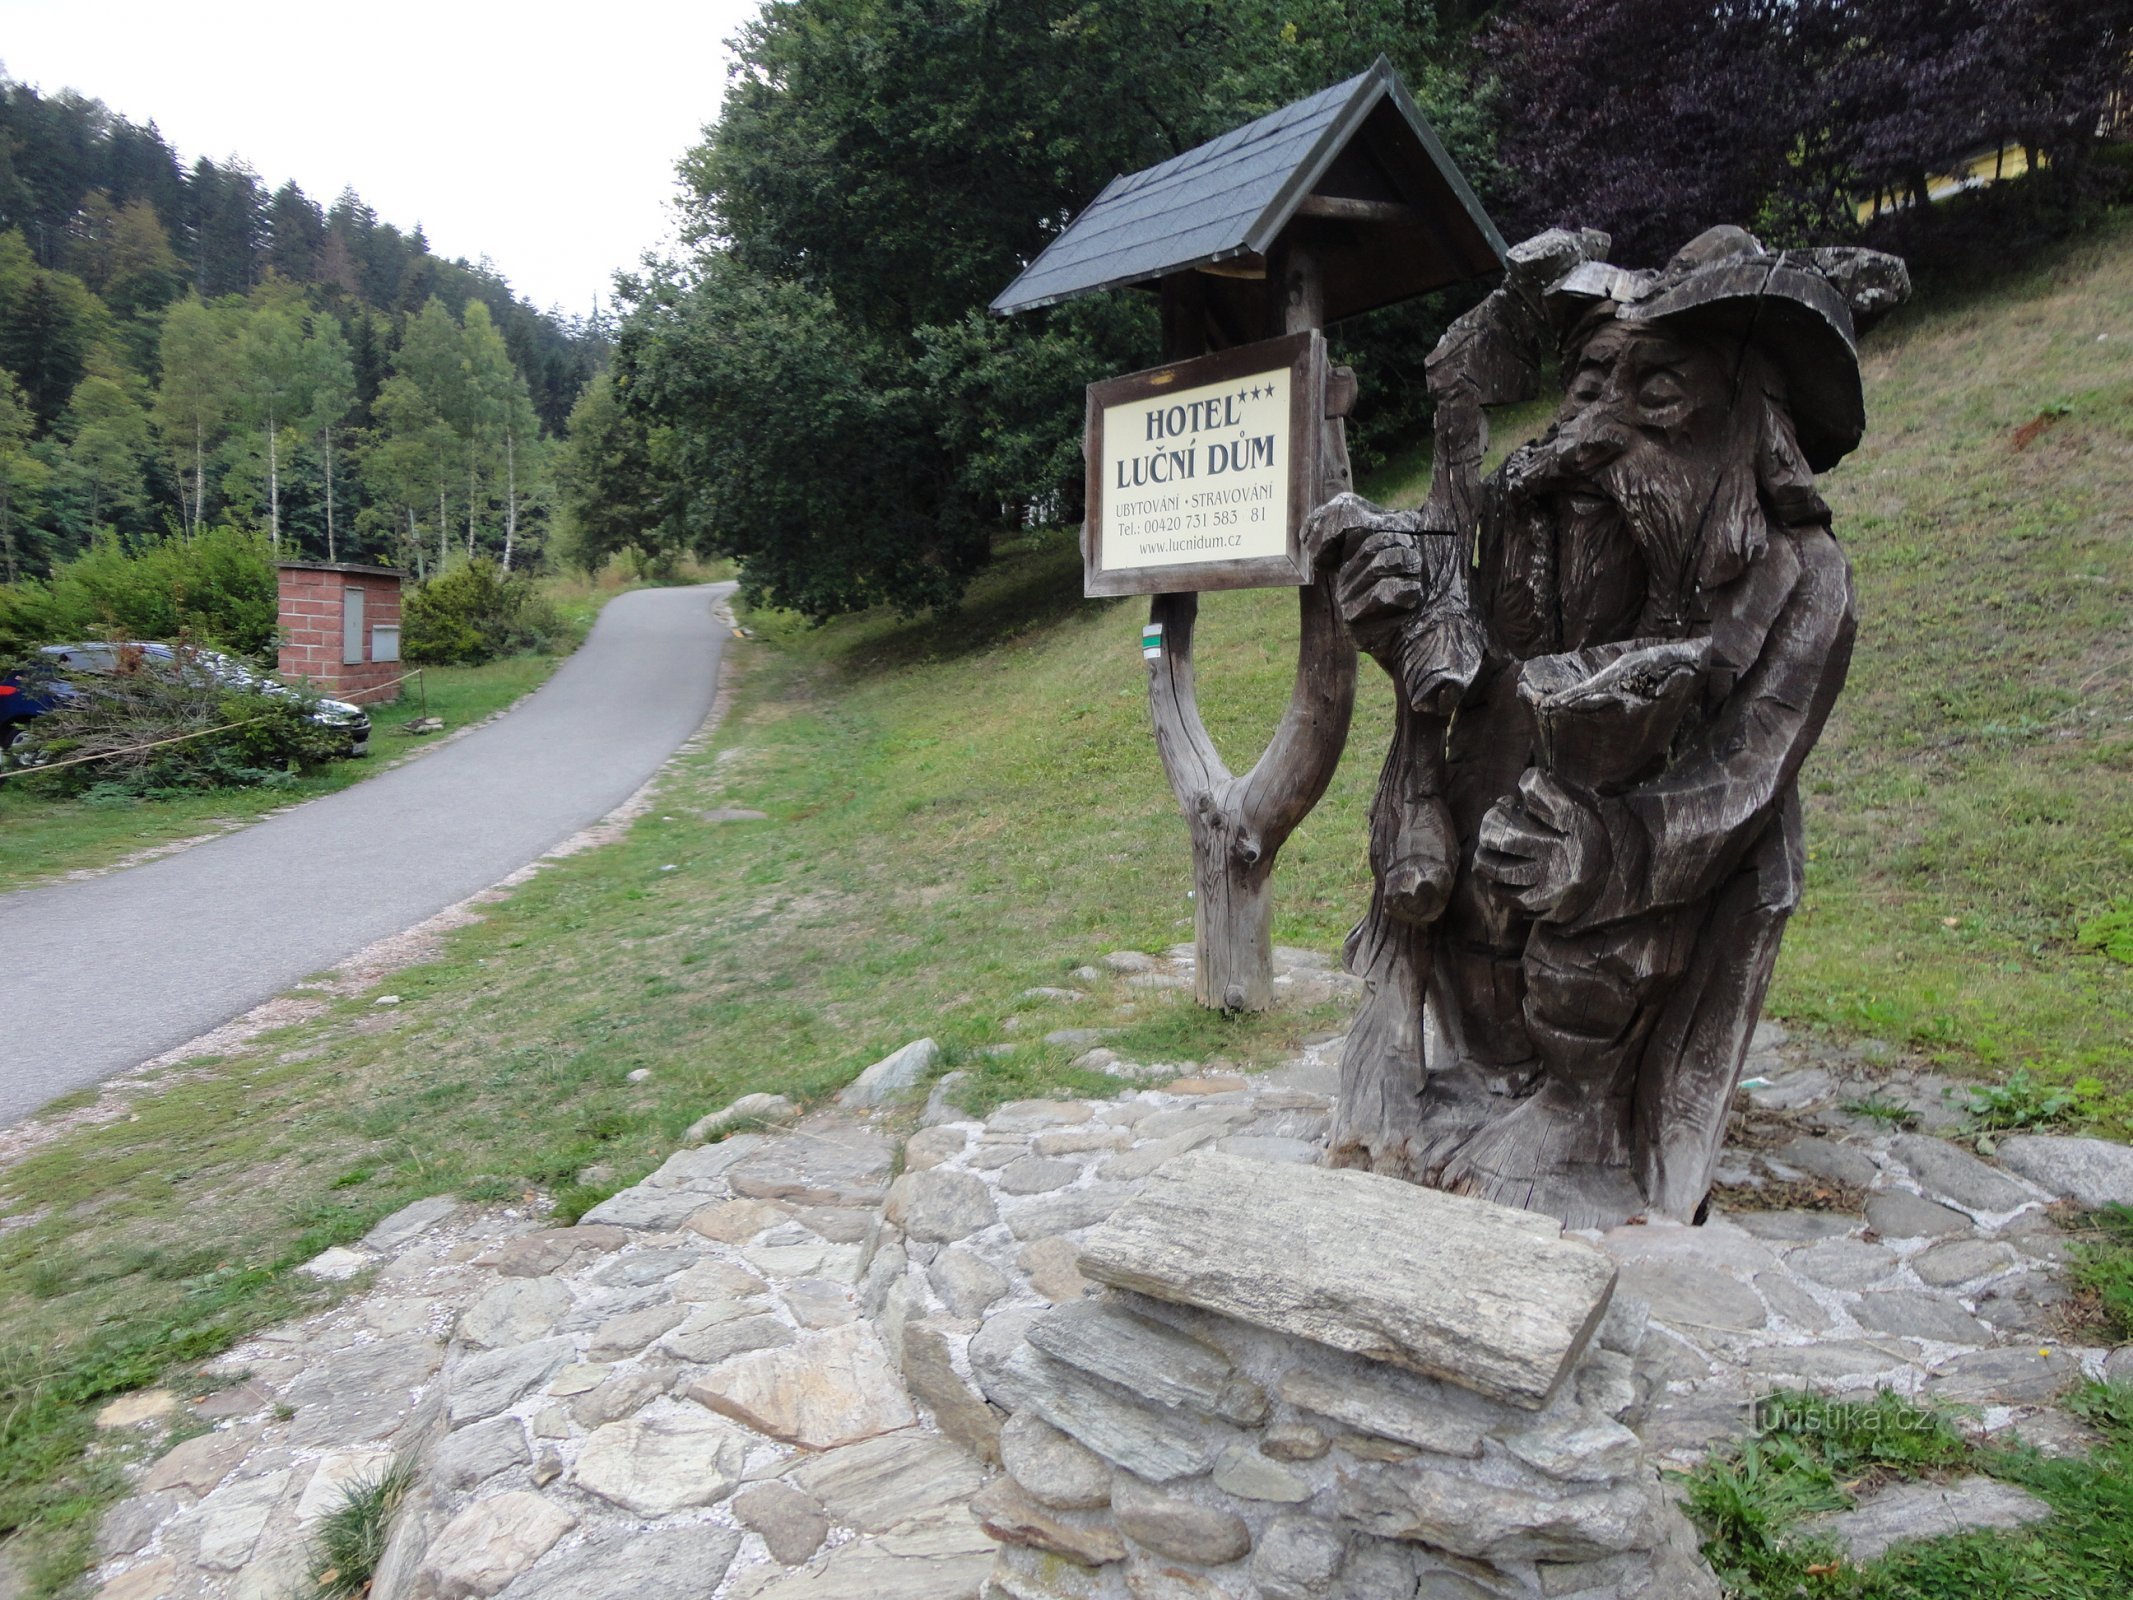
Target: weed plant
pixel 352 1536
pixel 1882 1110
pixel 2103 1266
pixel 2020 1102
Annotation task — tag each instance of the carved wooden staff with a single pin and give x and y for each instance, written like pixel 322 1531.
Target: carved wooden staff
pixel 1239 824
pixel 1490 356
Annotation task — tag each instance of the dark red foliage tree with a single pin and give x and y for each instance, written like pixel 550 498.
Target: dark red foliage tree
pixel 1656 118
pixel 1638 115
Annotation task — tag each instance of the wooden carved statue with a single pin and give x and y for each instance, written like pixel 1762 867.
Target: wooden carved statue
pixel 1612 656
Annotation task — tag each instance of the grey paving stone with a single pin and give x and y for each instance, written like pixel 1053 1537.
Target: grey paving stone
pixel 1844 1263
pixel 641 1268
pixel 359 1394
pixel 2017 1375
pixel 1147 1358
pixel 1826 1158
pixel 1794 1225
pixel 409 1223
pixel 1899 1214
pixel 1831 1360
pixel 1791 1303
pixel 941 1205
pixel 486 1384
pixel 1911 1314
pixel 1685 1294
pixel 655 1465
pixel 967 1282
pixel 1036 1175
pixel 1958 1177
pixel 823 1162
pixel 2093 1173
pixel 651 1210
pixel 1488 1297
pixel 2027 1305
pixel 1907 1511
pixel 1051 1467
pixel 1174 1526
pixel 674 1563
pixel 881 1483
pixel 1129 1434
pixel 892 1076
pixel 1072 1209
pixel 1962 1261
pixel 474 1455
pixel 793 1526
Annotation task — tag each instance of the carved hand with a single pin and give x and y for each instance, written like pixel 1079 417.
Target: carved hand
pixel 1546 847
pixel 1381 584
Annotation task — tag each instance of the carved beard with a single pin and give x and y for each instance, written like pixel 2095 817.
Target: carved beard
pixel 1663 511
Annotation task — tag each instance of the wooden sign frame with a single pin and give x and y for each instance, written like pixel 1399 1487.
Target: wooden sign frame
pixel 1303 355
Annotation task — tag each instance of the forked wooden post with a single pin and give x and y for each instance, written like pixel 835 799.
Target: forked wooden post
pixel 1239 824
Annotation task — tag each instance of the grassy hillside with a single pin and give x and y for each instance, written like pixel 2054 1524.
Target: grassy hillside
pixel 1971 815
pixel 956 811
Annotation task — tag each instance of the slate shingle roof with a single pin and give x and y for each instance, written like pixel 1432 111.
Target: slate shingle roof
pixel 1228 197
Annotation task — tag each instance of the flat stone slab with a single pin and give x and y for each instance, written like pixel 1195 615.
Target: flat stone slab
pixel 1480 1295
pixel 1899 1214
pixel 822 1162
pixel 1957 1177
pixel 882 1483
pixel 835 1388
pixel 893 1075
pixel 947 1558
pixel 673 1563
pixel 1906 1511
pixel 408 1222
pixel 2016 1375
pixel 2093 1173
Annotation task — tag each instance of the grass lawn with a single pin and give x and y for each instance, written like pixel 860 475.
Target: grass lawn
pixel 960 809
pixel 1970 816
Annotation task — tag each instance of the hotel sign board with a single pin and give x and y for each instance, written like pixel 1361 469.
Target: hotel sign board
pixel 1201 472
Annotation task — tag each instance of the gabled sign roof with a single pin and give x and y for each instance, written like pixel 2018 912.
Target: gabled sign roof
pixel 1357 155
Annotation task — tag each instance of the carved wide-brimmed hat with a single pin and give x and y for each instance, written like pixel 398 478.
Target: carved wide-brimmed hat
pixel 1803 309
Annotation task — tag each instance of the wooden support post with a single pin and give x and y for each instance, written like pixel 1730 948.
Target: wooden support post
pixel 1239 824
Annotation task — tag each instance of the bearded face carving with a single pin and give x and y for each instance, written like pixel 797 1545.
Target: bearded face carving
pixel 1614 655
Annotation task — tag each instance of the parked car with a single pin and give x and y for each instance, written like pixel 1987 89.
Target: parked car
pixel 100 659
pixel 26 696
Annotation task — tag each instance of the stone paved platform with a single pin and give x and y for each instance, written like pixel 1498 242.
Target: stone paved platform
pixel 779 1366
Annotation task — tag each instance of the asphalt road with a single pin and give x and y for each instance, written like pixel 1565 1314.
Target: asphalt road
pixel 101 975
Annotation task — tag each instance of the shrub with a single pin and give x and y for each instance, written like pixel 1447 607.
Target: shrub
pixel 26 620
pixel 218 588
pixel 475 613
pixel 263 738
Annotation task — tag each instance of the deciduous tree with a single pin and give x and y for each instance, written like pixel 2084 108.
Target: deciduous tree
pixel 23 481
pixel 198 358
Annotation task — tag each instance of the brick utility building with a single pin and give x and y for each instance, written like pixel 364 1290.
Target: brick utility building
pixel 340 628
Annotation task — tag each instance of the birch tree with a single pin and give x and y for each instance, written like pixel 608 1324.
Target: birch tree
pixel 270 356
pixel 198 356
pixel 503 420
pixel 329 381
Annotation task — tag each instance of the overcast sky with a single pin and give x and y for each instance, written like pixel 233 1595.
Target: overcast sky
pixel 539 135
